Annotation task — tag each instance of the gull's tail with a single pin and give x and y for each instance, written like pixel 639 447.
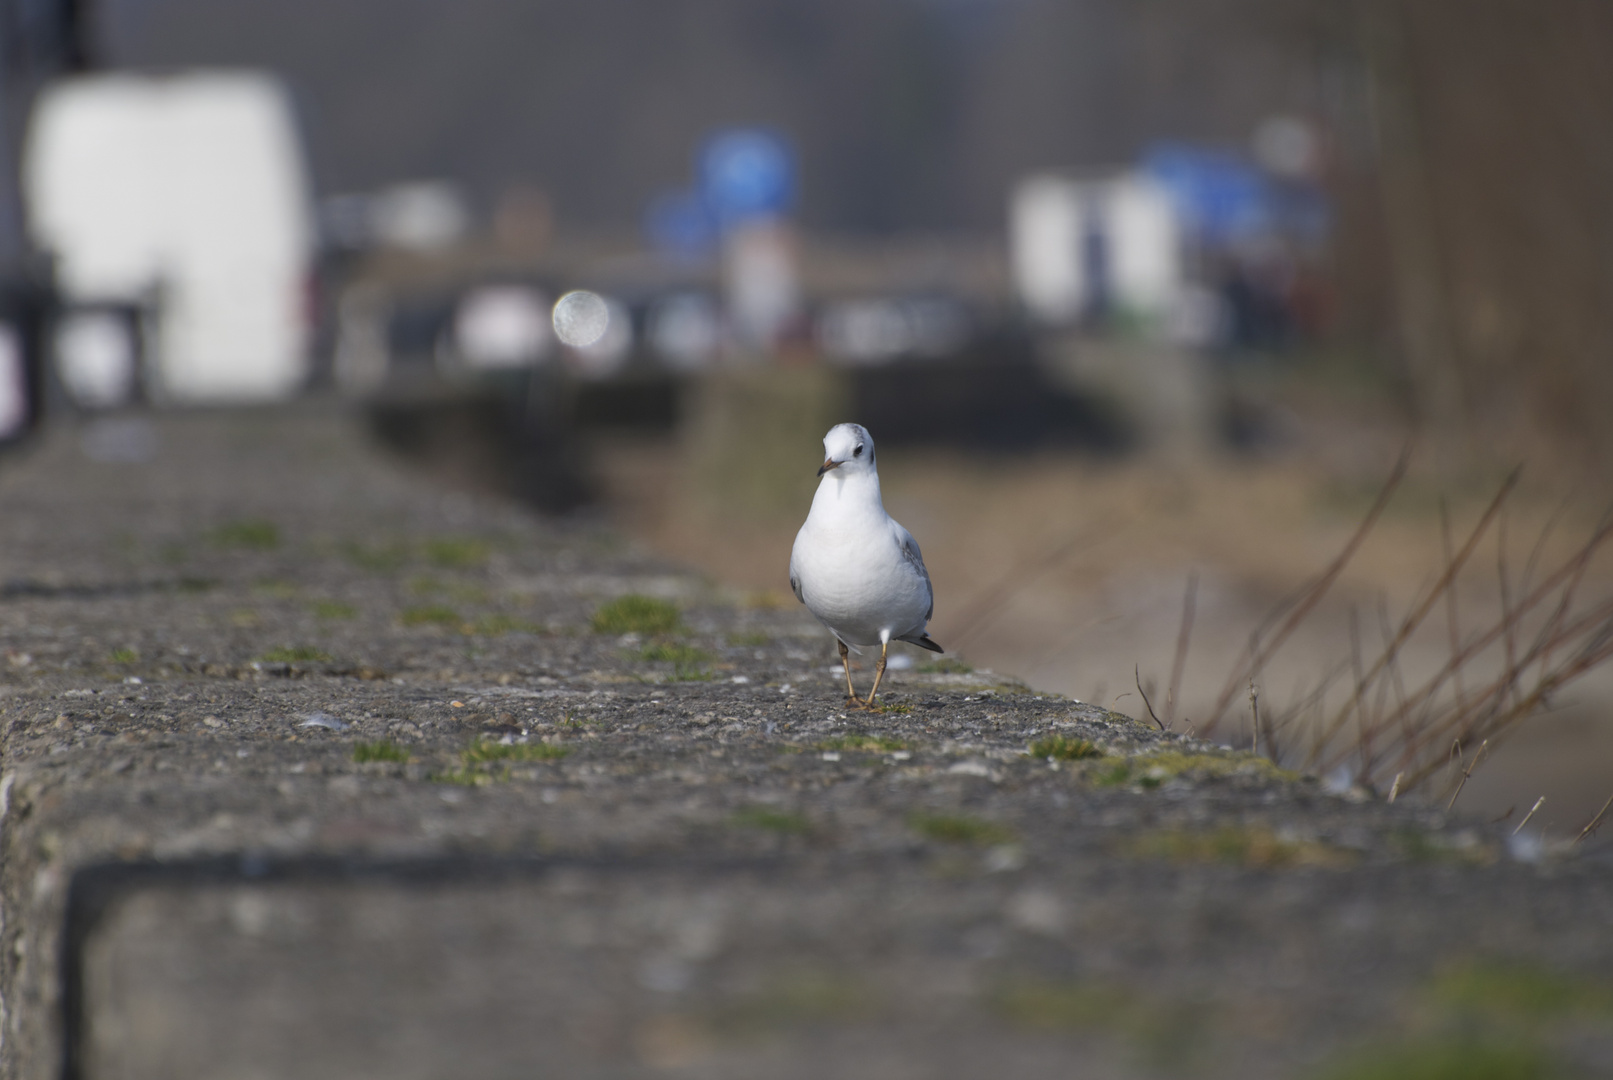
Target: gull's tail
pixel 923 641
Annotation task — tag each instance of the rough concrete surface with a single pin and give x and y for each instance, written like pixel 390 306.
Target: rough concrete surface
pixel 312 769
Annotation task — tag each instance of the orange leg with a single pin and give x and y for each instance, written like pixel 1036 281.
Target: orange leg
pixel 879 673
pixel 845 662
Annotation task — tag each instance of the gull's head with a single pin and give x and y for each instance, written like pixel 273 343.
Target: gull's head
pixel 848 447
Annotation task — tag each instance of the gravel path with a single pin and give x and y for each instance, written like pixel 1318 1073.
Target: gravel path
pixel 312 769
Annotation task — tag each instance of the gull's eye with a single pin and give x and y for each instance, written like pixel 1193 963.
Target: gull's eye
pixel 858 452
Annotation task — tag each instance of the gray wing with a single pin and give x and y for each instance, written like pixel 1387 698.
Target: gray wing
pixel 795 580
pixel 915 559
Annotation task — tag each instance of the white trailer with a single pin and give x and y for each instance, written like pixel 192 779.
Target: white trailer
pixel 186 195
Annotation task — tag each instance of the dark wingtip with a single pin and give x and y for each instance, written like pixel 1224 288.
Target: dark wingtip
pixel 927 642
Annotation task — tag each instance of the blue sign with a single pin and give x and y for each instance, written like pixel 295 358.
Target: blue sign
pixel 1224 198
pixel 747 173
pixel 1221 195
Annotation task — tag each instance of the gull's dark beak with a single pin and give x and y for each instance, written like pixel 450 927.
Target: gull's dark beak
pixel 829 464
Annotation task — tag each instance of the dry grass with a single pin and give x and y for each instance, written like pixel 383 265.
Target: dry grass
pixel 1370 718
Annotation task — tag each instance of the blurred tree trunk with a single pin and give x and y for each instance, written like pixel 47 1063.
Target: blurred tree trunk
pixel 1415 263
pixel 1495 135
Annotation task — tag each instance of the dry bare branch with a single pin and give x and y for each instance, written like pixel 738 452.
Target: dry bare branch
pixel 1596 821
pixel 1480 708
pixel 1137 674
pixel 1577 566
pixel 1529 815
pixel 1420 611
pixel 1543 638
pixel 1467 772
pixel 1257 656
pixel 1509 625
pixel 1451 620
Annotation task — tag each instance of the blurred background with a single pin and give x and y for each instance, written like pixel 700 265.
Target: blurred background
pixel 1142 299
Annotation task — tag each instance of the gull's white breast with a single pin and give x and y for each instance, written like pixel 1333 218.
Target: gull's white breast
pixel 856 579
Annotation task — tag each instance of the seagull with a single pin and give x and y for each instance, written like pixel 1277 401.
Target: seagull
pixel 853 566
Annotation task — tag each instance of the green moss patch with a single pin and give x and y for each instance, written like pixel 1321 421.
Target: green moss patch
pixel 866 744
pixel 779 821
pixel 1512 991
pixel 799 999
pixel 690 673
pixel 1061 1005
pixel 1450 1058
pixel 499 624
pixel 457 553
pixel 1493 1020
pixel 333 609
pixel 1064 748
pixel 384 750
pixel 688 662
pixel 431 615
pixel 946 665
pixel 485 751
pixel 252 534
pixel 959 829
pixel 637 614
pixel 1163 1032
pixel 487 762
pixel 1152 770
pixel 1417 846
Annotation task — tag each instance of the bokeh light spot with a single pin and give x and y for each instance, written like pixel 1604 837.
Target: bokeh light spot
pixel 581 318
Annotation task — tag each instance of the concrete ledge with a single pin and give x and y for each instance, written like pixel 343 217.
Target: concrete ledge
pixel 311 769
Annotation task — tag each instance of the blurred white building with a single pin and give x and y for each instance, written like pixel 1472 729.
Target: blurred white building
pixel 14 404
pixel 1080 247
pixel 762 282
pixel 500 327
pixel 186 196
